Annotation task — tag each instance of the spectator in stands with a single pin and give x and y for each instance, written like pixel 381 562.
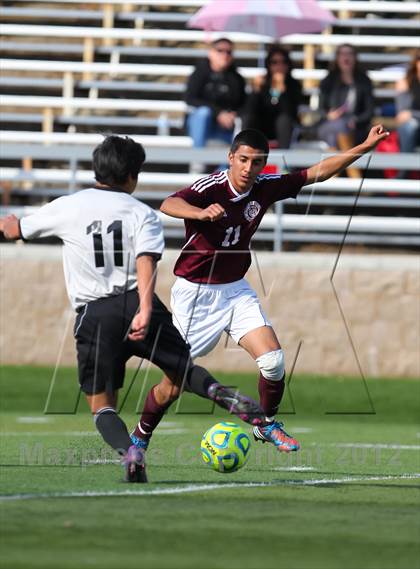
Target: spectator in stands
pixel 216 91
pixel 408 106
pixel 272 107
pixel 346 102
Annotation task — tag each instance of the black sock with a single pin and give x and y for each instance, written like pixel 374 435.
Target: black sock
pixel 113 429
pixel 198 381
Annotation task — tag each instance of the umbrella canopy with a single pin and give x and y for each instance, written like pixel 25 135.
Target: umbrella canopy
pixel 275 18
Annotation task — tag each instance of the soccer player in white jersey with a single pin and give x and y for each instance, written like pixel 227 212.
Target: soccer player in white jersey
pixel 111 244
pixel 210 295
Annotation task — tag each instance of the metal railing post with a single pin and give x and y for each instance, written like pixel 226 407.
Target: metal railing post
pixel 73 172
pixel 278 230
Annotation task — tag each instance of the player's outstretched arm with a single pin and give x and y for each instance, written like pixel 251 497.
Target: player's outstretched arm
pixel 146 281
pixel 334 165
pixel 10 227
pixel 178 207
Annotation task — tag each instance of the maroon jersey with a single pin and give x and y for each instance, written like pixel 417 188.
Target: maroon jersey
pixel 218 252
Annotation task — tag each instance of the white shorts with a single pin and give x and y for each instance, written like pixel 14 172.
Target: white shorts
pixel 202 312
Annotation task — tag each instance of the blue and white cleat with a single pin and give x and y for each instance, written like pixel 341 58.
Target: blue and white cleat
pixel 275 433
pixel 139 443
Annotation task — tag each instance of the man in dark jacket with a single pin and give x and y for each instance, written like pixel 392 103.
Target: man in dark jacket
pixel 216 91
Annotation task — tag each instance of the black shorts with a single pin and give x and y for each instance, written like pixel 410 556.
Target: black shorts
pixel 103 348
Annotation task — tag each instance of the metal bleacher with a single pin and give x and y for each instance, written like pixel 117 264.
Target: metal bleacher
pixel 344 195
pixel 115 67
pixel 146 39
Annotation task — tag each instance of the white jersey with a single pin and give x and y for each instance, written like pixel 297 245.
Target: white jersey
pixel 103 232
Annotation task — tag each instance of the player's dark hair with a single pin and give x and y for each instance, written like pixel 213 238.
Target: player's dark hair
pixel 116 159
pixel 250 137
pixel 274 50
pixel 335 70
pixel 216 42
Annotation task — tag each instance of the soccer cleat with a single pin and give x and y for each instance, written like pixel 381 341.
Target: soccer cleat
pixel 275 433
pixel 134 463
pixel 138 442
pixel 244 407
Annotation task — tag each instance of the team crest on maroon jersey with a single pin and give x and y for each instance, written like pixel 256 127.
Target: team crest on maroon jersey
pixel 252 210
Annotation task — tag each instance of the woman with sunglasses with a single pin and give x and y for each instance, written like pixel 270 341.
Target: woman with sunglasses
pixel 273 105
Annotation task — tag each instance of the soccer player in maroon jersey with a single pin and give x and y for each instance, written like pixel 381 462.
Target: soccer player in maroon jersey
pixel 222 212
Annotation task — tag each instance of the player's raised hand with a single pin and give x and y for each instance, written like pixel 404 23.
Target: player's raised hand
pixel 9 225
pixel 212 213
pixel 376 134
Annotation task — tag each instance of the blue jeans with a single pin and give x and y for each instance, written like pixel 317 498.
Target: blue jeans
pixel 330 129
pixel 202 126
pixel 409 133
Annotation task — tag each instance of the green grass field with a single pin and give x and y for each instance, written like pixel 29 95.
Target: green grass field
pixel 349 499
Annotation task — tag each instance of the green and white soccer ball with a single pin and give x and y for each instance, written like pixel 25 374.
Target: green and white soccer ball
pixel 225 447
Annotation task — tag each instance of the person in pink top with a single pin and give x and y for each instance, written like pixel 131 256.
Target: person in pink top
pixel 211 296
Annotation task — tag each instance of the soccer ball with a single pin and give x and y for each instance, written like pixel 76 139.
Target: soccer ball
pixel 225 447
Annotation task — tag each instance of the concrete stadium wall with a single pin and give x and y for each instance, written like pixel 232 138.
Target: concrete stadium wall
pixel 367 316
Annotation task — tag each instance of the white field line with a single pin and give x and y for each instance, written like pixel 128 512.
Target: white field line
pixel 302 429
pixel 181 431
pixel 191 488
pixel 102 461
pixel 170 432
pixel 369 445
pixel 79 433
pixel 49 434
pixel 33 420
pixel 293 468
pixel 155 491
pixel 348 479
pixel 281 468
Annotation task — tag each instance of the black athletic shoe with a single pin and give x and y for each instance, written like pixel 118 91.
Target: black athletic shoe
pixel 243 407
pixel 135 466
